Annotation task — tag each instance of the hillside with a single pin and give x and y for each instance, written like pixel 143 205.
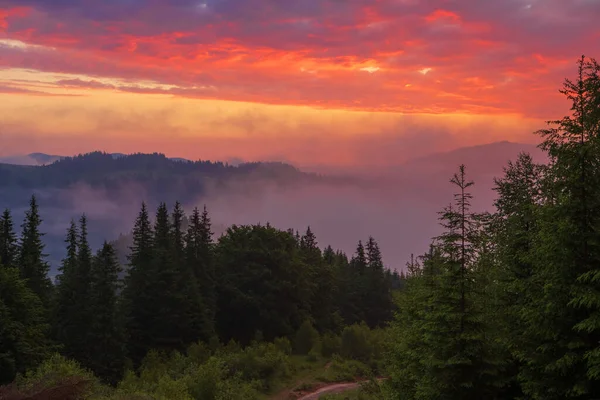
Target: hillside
pixel 109 188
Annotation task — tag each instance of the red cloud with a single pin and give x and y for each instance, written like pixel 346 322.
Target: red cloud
pixel 466 56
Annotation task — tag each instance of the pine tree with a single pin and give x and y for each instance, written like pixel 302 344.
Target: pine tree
pixel 199 259
pixel 176 317
pixel 515 233
pixel 31 257
pixel 329 255
pixel 359 261
pixel 378 296
pixel 353 286
pixel 193 324
pixel 140 305
pixel 23 326
pixel 322 283
pixel 105 340
pixel 565 363
pixel 447 350
pixel 8 241
pixel 66 329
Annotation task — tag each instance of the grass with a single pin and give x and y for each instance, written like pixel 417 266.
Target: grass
pixel 309 375
pixel 304 377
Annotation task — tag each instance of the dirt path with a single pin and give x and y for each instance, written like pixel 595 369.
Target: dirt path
pixel 330 389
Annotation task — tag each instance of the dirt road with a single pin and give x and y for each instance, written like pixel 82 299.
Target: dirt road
pixel 330 389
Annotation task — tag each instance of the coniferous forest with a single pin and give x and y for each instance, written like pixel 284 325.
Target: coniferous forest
pixel 505 304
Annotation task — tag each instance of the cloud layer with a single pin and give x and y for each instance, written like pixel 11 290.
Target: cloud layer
pixel 426 56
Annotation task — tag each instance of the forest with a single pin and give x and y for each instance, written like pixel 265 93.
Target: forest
pixel 504 305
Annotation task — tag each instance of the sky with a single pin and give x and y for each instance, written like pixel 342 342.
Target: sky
pixel 311 82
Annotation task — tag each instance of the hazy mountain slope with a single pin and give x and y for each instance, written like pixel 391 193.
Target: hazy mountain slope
pixel 398 208
pixel 488 158
pixel 110 189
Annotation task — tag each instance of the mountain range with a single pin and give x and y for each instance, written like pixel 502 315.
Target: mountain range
pixel 397 206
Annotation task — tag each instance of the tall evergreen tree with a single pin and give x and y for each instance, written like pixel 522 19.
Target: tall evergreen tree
pixel 66 327
pixel 453 358
pixel 139 300
pixel 263 284
pixel 176 318
pixel 322 282
pixel 199 259
pixel 515 233
pixel 8 240
pixel 378 297
pixel 194 323
pixel 23 326
pixel 565 363
pixel 31 256
pixel 105 340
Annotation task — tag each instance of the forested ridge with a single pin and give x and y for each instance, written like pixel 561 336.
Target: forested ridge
pixel 504 305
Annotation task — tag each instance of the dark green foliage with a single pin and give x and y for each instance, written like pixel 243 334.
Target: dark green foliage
pixel 515 230
pixel 323 284
pixel 168 330
pixel 444 351
pixel 330 344
pixel 199 258
pixel 106 357
pixel 23 326
pixel 378 297
pixel 262 283
pixel 31 256
pixel 139 304
pixel 564 363
pixel 67 330
pixel 306 338
pixel 8 241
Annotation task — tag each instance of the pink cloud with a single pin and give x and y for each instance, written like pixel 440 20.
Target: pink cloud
pixel 481 57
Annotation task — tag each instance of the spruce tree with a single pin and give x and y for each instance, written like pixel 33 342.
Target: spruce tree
pixel 8 241
pixel 447 349
pixel 563 320
pixel 31 262
pixel 193 324
pixel 353 286
pixel 140 305
pixel 515 231
pixel 378 297
pixel 176 319
pixel 105 340
pixel 66 329
pixel 23 326
pixel 200 260
pixel 322 281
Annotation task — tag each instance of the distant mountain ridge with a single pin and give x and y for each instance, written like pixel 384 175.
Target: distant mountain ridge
pixel 40 159
pixel 488 157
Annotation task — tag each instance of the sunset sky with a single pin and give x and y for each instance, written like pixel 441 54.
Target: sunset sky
pixel 334 82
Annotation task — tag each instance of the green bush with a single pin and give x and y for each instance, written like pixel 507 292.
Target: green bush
pixel 199 352
pixel 330 345
pixel 306 338
pixel 356 342
pixel 284 345
pixel 263 362
pixel 341 370
pixel 54 370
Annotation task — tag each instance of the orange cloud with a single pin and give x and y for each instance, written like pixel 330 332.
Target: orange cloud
pixel 399 57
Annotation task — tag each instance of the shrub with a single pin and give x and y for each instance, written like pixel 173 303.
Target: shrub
pixel 57 371
pixel 262 362
pixel 199 352
pixel 342 370
pixel 284 345
pixel 356 342
pixel 306 338
pixel 330 345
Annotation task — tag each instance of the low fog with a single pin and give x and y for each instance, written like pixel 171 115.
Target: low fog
pixel 397 206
